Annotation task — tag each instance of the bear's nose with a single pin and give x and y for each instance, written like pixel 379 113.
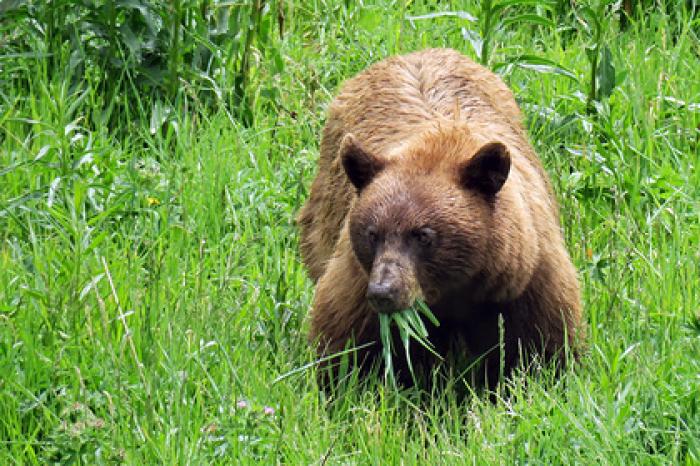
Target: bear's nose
pixel 382 297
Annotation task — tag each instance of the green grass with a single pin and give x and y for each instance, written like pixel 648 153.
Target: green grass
pixel 410 327
pixel 152 295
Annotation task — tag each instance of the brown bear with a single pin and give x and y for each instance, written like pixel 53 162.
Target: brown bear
pixel 427 188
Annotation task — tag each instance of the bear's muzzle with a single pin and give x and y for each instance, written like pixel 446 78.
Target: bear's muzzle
pixel 392 285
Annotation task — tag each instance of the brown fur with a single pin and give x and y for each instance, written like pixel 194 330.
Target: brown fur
pixel 421 119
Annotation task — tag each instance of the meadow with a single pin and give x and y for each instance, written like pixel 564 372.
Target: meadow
pixel 153 156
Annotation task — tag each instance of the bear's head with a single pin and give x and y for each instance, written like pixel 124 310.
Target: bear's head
pixel 437 217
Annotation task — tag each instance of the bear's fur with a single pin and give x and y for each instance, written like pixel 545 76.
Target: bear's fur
pixel 428 188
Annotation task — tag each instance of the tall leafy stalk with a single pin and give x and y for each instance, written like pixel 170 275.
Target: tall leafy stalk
pixel 493 18
pixel 601 70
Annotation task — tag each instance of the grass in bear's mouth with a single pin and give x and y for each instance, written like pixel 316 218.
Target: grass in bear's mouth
pixel 411 327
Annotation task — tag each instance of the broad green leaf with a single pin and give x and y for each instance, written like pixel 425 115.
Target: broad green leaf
pixel 528 18
pixel 425 310
pixel 540 65
pixel 592 53
pixel 589 19
pixel 132 42
pixel 475 40
pixel 606 74
pixel 456 14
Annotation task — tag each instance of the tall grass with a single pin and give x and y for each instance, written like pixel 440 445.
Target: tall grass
pixel 147 53
pixel 151 293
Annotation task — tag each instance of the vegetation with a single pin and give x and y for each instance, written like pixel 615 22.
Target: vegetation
pixel 153 154
pixel 410 327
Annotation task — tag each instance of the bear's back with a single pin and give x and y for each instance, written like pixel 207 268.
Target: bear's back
pixel 399 97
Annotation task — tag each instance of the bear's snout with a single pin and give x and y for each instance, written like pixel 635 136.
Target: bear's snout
pixel 382 297
pixel 388 290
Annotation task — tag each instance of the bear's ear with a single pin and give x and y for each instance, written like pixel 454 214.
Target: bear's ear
pixel 487 170
pixel 360 166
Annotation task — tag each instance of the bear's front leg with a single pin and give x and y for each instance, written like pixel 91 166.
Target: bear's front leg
pixel 341 317
pixel 546 319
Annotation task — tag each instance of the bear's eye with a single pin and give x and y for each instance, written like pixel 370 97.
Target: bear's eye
pixel 425 236
pixel 371 234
